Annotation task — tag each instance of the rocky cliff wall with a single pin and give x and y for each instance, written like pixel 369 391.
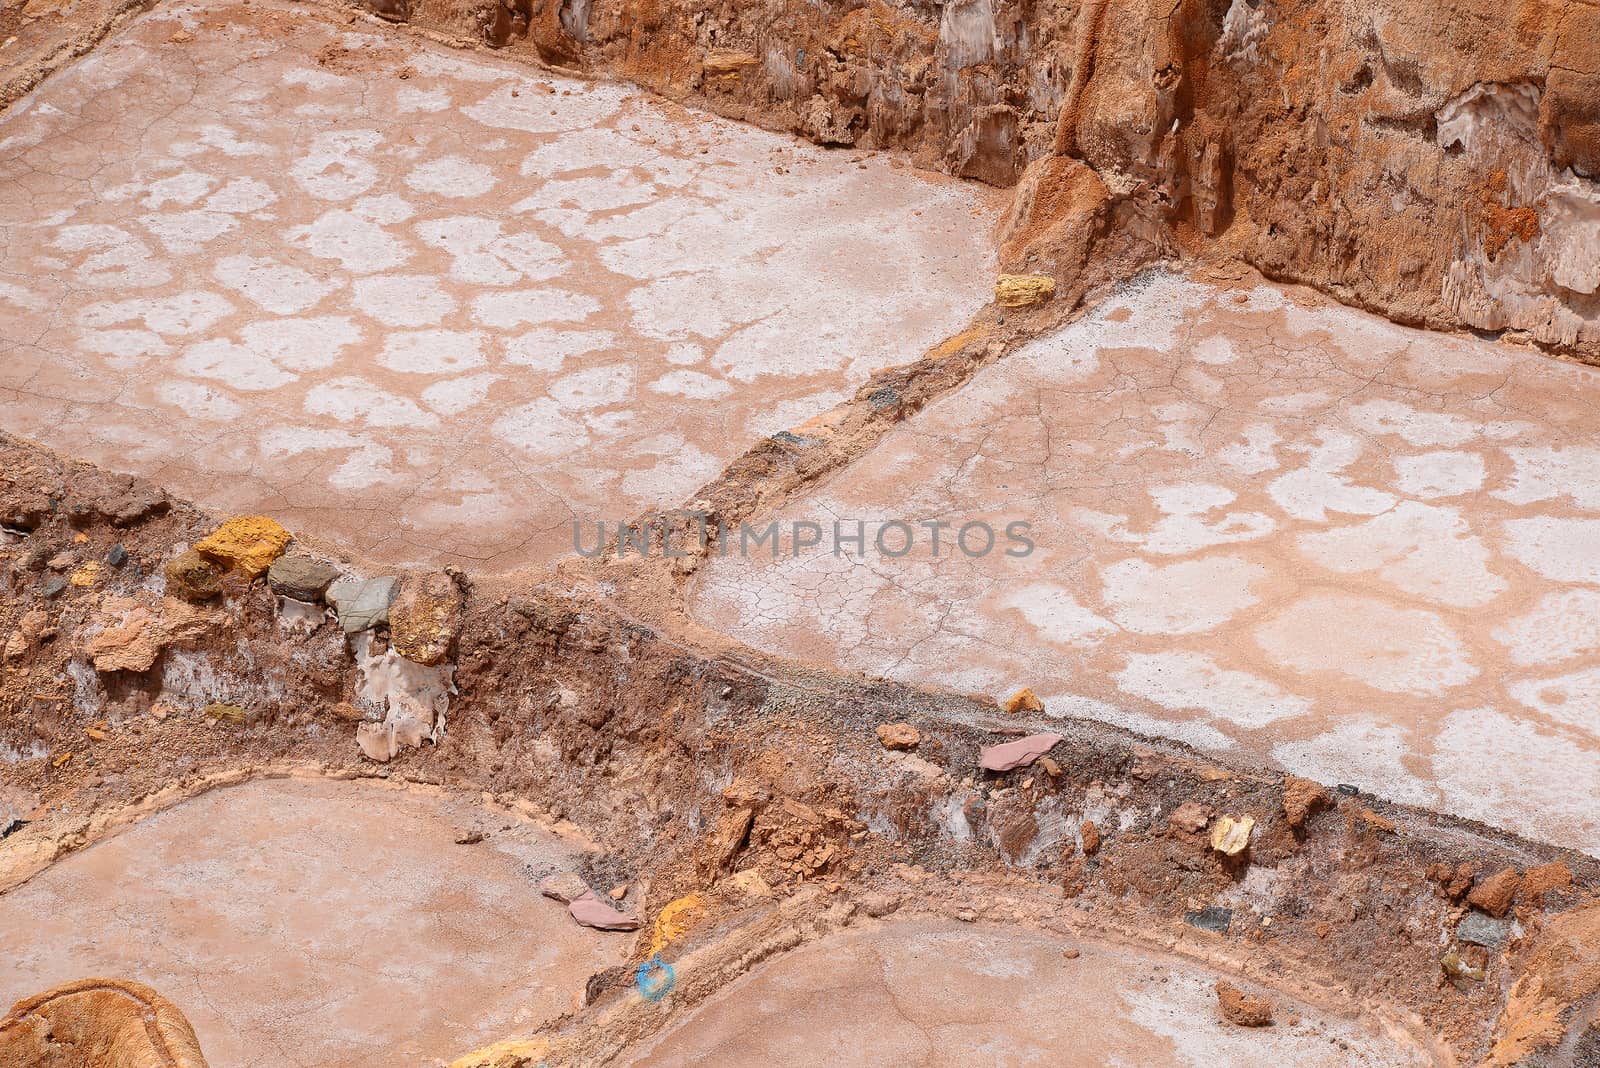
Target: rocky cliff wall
pixel 1435 162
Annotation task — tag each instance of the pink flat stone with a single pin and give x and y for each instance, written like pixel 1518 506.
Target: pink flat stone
pixel 1017 754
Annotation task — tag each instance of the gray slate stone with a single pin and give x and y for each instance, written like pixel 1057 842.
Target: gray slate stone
pixel 305 578
pixel 362 603
pixel 1481 930
pixel 1212 918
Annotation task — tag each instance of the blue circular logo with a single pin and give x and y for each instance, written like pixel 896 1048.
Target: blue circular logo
pixel 655 978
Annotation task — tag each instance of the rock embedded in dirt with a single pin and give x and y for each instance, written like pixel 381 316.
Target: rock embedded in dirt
pixel 1245 1010
pixel 1454 882
pixel 29 629
pixel 1091 838
pixel 1301 798
pixel 193 577
pixel 362 603
pixel 301 577
pixel 1216 918
pixel 1191 816
pixel 563 886
pixel 1456 968
pixel 1546 878
pixel 248 544
pixel 590 911
pixel 15 806
pixel 509 1053
pixel 1008 756
pixel 899 736
pixel 1230 837
pixel 425 618
pixel 385 741
pixel 720 62
pixel 133 633
pixel 1479 930
pixel 1024 700
pixel 1496 893
pixel 879 904
pixel 225 712
pixel 726 838
pixel 1023 290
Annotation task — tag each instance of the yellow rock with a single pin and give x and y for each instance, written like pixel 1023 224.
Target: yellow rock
pixel 674 921
pixel 1231 837
pixel 749 884
pixel 223 712
pixel 1021 290
pixel 86 575
pixel 1024 700
pixel 247 544
pixel 512 1053
pixel 722 61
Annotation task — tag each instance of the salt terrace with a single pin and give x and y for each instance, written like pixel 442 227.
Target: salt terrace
pixel 431 306
pixel 1261 524
pixel 439 312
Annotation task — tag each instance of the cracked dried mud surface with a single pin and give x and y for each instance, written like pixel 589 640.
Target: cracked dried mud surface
pixel 311 923
pixel 1264 524
pixel 430 305
pixel 943 994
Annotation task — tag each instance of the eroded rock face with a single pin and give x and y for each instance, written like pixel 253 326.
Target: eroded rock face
pixel 1291 133
pixel 98 1023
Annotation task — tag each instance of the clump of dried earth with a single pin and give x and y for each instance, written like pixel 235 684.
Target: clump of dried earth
pixel 290 761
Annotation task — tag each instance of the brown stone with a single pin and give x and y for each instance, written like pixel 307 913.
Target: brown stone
pixel 1024 700
pixel 425 618
pixel 98 1023
pixel 1454 881
pixel 1301 798
pixel 1191 816
pixel 727 838
pixel 1537 882
pixel 302 577
pixel 193 577
pixel 880 904
pixel 1091 838
pixel 1496 893
pixel 1245 1010
pixel 346 711
pixel 1371 819
pixel 134 633
pixel 1016 827
pixel 899 736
